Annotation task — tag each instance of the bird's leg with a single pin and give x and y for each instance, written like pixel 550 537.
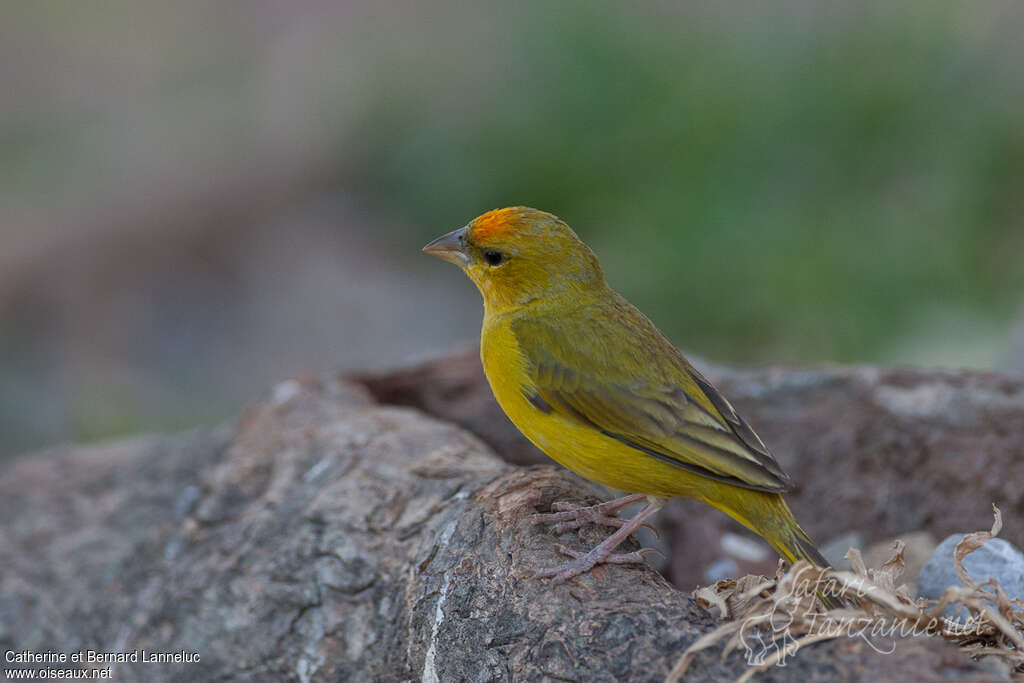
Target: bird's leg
pixel 570 516
pixel 603 552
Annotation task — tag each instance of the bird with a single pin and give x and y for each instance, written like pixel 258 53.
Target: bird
pixel 594 384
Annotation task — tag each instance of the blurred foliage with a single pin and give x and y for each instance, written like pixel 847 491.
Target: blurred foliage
pixel 768 184
pixel 201 198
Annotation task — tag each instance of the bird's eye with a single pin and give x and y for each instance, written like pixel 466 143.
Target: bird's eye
pixel 494 258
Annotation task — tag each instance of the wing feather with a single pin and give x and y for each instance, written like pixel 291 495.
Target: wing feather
pixel 646 395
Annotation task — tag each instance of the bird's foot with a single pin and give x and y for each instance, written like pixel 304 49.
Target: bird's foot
pixel 584 562
pixel 602 554
pixel 571 516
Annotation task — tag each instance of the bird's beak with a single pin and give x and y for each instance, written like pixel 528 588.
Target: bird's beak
pixel 450 247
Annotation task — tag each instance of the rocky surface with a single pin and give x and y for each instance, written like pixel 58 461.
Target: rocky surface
pixel 324 536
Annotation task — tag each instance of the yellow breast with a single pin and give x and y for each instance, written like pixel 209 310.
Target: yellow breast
pixel 576 446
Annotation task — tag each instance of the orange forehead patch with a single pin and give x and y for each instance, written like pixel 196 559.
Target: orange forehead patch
pixel 496 223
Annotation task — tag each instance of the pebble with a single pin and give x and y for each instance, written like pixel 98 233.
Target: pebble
pixel 725 568
pixel 996 559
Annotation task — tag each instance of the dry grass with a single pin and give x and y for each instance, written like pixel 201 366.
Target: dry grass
pixel 772 618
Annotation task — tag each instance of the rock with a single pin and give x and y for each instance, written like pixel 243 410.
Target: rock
pixel 996 559
pixel 725 568
pixel 323 537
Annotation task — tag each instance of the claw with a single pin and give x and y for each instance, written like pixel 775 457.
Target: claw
pixel 653 550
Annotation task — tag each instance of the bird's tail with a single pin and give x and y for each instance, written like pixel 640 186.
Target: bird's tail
pixel 767 515
pixel 797 545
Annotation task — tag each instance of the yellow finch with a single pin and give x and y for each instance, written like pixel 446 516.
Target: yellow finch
pixel 595 385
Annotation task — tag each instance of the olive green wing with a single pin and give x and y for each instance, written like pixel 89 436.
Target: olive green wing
pixel 613 370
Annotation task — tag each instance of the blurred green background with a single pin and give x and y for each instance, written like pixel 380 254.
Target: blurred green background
pixel 202 198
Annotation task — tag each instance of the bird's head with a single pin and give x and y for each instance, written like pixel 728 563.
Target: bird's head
pixel 518 255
